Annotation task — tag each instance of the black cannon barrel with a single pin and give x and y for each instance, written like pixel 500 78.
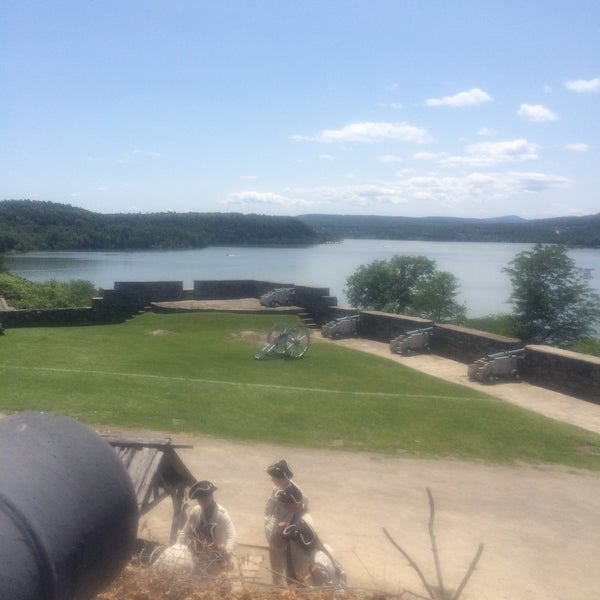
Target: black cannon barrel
pixel 68 511
pixel 514 352
pixel 421 330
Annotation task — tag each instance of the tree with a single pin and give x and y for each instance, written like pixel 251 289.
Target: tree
pixel 387 284
pixel 435 298
pixel 405 284
pixel 552 298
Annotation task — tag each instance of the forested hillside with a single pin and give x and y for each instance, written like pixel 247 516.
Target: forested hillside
pixel 27 225
pixel 570 231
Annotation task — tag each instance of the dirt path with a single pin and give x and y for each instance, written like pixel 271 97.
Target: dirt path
pixel 539 524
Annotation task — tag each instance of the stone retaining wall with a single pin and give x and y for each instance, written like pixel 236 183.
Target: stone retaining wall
pixel 47 317
pixel 467 345
pixel 564 371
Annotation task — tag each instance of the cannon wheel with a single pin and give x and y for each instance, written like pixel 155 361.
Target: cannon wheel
pixel 297 341
pixel 277 336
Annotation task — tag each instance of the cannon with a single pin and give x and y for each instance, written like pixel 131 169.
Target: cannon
pixel 286 340
pixel 68 511
pixel 416 340
pixel 341 327
pixel 278 297
pixel 501 365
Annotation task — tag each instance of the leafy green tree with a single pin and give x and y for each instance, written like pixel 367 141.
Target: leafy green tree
pixel 435 298
pixel 388 285
pixel 405 284
pixel 552 298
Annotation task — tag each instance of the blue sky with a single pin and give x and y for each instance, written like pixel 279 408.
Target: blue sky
pixel 477 108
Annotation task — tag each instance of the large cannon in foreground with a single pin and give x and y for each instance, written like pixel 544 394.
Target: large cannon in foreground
pixel 68 512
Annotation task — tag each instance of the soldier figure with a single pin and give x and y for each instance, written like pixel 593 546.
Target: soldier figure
pixel 275 513
pixel 209 531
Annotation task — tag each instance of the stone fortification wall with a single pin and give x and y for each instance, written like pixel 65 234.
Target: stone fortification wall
pixel 468 345
pixel 563 371
pixel 383 327
pixel 231 289
pixel 142 293
pixel 47 317
pixel 567 372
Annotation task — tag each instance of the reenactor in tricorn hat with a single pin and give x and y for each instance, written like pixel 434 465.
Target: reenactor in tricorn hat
pixel 275 514
pixel 209 530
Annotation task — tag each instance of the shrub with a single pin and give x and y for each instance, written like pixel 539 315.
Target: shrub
pixel 22 293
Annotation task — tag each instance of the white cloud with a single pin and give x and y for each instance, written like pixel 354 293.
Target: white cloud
pixel 368 132
pixel 100 188
pixel 584 86
pixel 253 197
pixel 326 157
pixel 536 113
pixel 577 147
pixel 473 96
pixel 394 105
pixel 487 154
pixel 535 182
pixel 438 190
pixel 486 131
pixel 361 195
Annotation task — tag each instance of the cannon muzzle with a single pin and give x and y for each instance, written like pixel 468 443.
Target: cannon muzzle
pixel 68 511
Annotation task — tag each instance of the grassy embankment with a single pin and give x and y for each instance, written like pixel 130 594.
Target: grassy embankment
pixel 191 373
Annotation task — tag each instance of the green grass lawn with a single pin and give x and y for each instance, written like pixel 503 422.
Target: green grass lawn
pixel 192 373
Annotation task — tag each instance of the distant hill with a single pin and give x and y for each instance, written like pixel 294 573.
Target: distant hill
pixel 571 231
pixel 27 225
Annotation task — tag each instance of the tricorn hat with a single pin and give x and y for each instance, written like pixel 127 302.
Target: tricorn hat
pixel 280 469
pixel 201 488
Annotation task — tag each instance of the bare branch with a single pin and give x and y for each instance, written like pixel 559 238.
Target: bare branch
pixel 412 563
pixel 434 548
pixel 468 574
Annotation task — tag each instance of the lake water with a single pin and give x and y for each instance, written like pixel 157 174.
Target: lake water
pixel 483 286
